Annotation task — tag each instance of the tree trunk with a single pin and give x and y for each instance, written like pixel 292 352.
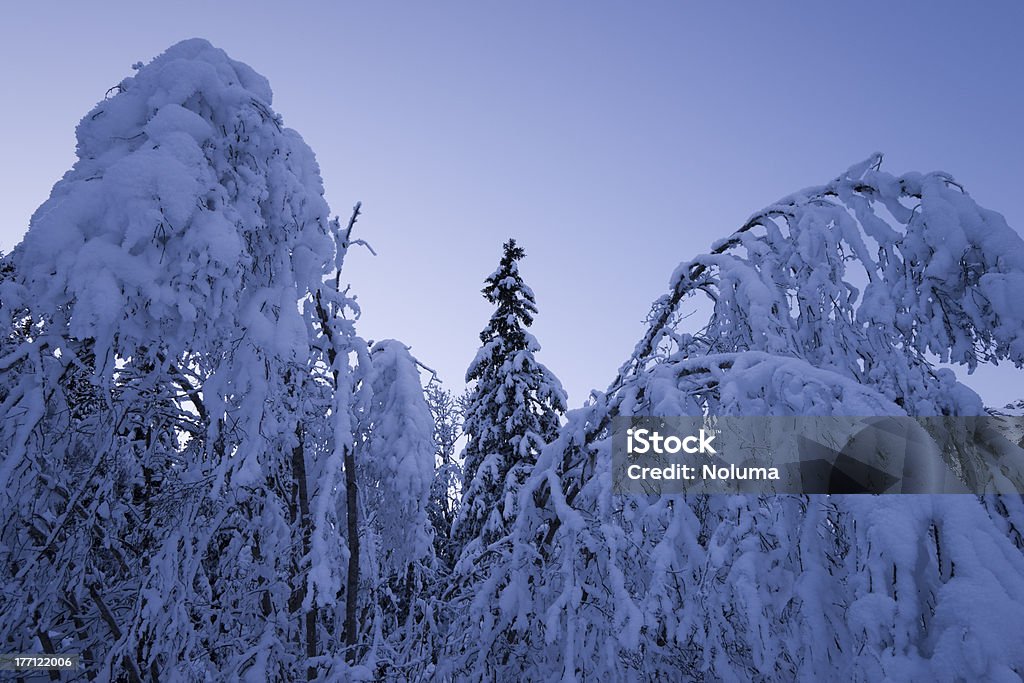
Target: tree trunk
pixel 352 584
pixel 306 527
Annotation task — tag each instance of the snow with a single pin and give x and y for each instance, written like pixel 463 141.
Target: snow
pixel 786 587
pixel 203 462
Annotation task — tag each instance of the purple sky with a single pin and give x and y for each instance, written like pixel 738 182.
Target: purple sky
pixel 613 140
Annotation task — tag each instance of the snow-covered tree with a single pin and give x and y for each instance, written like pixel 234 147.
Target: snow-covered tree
pixel 444 491
pixel 206 474
pixel 391 567
pixel 182 394
pixel 837 300
pixel 512 409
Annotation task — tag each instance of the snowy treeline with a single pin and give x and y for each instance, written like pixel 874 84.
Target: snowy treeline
pixel 207 474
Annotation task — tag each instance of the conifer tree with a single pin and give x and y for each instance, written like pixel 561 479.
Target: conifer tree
pixel 512 410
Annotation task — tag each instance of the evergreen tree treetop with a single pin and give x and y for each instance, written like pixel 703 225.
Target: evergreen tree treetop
pixel 515 301
pixel 513 408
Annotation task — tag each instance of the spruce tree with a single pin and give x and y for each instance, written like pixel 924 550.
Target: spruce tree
pixel 512 410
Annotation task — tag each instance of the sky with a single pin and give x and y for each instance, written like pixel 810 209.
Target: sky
pixel 613 140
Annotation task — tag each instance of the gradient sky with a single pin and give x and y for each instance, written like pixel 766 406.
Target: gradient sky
pixel 612 139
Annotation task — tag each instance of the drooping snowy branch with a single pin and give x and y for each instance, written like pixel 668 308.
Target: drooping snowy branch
pixel 838 300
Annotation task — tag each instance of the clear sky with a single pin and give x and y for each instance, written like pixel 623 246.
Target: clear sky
pixel 612 139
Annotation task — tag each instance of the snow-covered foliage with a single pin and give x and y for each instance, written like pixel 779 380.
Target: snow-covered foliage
pixel 512 409
pixel 206 474
pixel 396 460
pixel 394 467
pixel 445 489
pixel 833 301
pixel 184 394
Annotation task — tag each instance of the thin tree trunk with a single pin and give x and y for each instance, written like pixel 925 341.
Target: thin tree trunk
pixel 352 584
pixel 44 640
pixel 305 524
